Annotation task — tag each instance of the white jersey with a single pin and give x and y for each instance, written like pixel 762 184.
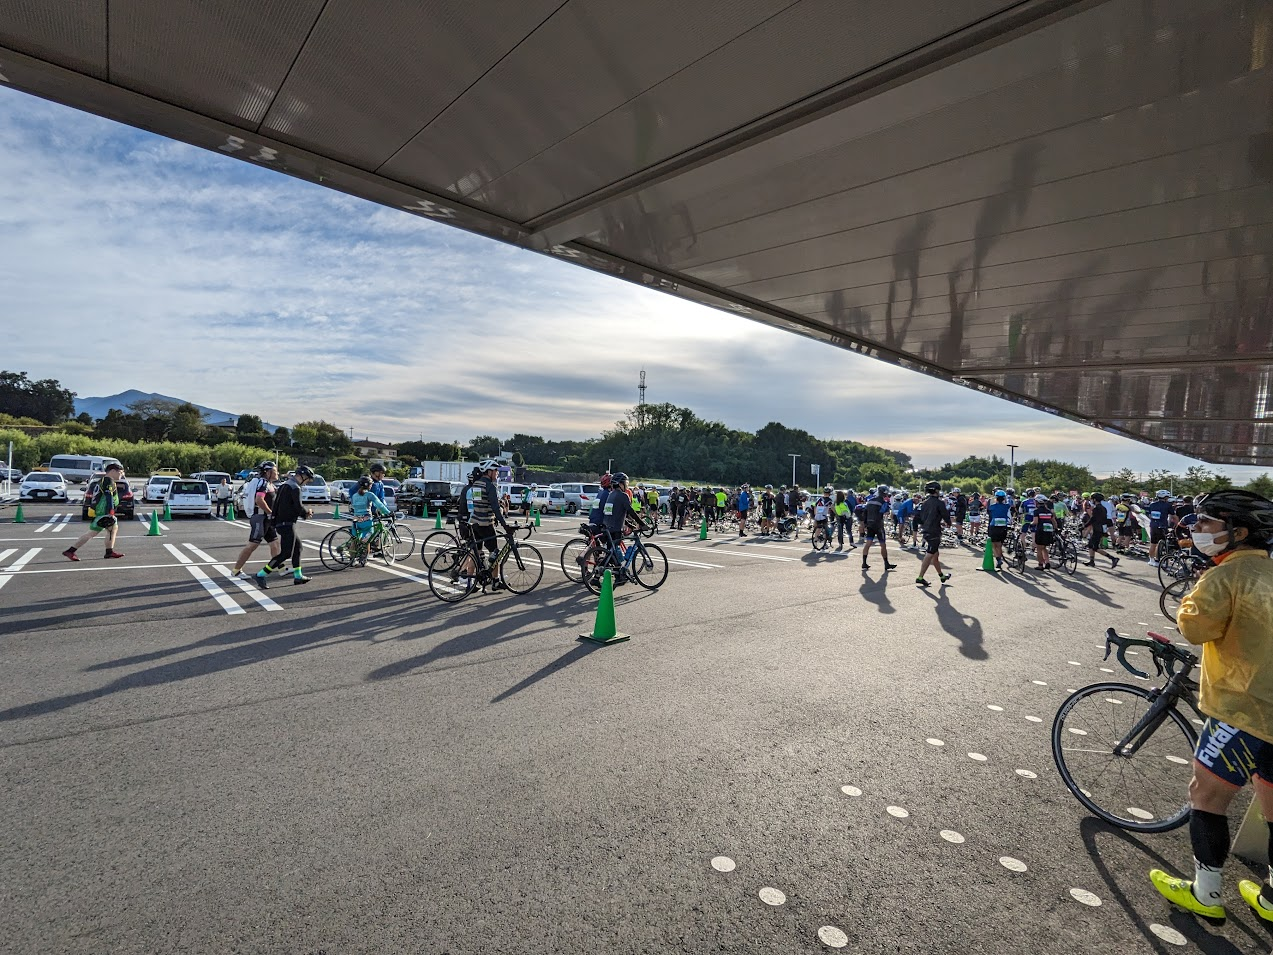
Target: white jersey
pixel 249 497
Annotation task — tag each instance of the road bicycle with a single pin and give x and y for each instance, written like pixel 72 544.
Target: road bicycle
pixel 517 566
pixel 388 541
pixel 820 536
pixel 1180 565
pixel 572 552
pixel 1064 553
pixel 643 563
pixel 1017 549
pixel 1126 751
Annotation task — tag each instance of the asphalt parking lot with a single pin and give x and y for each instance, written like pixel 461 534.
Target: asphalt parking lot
pixel 790 755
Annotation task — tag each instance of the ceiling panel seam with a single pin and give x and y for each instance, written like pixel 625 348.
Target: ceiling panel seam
pixel 291 66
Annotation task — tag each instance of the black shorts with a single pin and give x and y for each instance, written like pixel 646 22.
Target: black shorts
pixel 1094 541
pixel 1044 538
pixel 484 534
pixel 997 534
pixel 1157 535
pixel 874 532
pixel 261 529
pixel 932 545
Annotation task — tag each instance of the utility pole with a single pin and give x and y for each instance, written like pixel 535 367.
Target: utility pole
pixel 1012 472
pixel 793 457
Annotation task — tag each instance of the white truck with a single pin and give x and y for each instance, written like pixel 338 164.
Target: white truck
pixel 442 470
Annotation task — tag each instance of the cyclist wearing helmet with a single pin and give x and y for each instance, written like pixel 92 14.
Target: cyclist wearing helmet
pixel 1098 523
pixel 843 519
pixel 480 508
pixel 961 511
pixel 999 514
pixel 1228 614
pixel 767 504
pixel 288 509
pixel 617 515
pixel 744 505
pixel 1044 530
pixel 1160 515
pixel 873 523
pixel 377 480
pixel 258 508
pixel 932 516
pixel 364 504
pixel 594 514
pixel 823 511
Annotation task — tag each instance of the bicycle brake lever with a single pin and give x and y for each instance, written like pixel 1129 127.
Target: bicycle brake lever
pixel 1112 638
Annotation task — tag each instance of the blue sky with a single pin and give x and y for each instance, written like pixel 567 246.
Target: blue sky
pixel 130 261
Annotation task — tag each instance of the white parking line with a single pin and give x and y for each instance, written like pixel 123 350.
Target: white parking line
pixel 11 571
pixel 670 560
pixel 219 595
pixel 61 527
pixel 49 523
pixel 177 554
pixel 390 569
pixel 247 588
pixel 200 554
pixel 4 554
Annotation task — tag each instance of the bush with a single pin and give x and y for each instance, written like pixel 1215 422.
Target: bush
pixel 138 458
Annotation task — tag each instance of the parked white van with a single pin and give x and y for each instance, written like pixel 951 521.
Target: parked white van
pixel 78 468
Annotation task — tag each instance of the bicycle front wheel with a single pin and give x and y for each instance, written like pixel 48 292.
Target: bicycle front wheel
pixel 1070 562
pixel 596 559
pixel 522 569
pixel 402 539
pixel 1173 593
pixel 444 575
pixel 337 550
pixel 1177 565
pixel 572 558
pixel 649 566
pixel 1138 782
pixel 435 541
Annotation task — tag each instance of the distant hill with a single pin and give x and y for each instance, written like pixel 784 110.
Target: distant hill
pixel 124 401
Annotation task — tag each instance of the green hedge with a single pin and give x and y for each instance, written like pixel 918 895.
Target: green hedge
pixel 138 458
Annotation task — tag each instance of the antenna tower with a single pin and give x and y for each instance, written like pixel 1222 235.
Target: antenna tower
pixel 641 389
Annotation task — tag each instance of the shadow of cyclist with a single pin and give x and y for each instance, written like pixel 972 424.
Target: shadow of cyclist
pixel 964 627
pixel 873 592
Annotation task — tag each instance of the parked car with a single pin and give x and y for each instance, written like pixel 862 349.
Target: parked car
pixel 340 490
pixel 391 486
pixel 190 497
pixel 315 492
pixel 246 474
pixel 43 486
pixel 126 510
pixel 579 497
pixel 79 468
pixel 415 493
pixel 516 494
pixel 547 499
pixel 10 474
pixel 213 478
pixel 166 472
pixel 156 489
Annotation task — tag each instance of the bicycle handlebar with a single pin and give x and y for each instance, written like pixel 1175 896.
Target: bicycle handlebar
pixel 1161 648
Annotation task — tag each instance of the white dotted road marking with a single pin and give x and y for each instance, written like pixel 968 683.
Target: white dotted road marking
pixel 1106 670
pixel 1038 683
pixel 220 596
pixel 1139 813
pixel 977 756
pixel 1086 897
pixel 933 741
pixel 1011 864
pixel 1034 719
pixel 1076 731
pixel 1177 759
pixel 997 709
pixel 1074 663
pixel 9 572
pixel 771 896
pixel 897 812
pixel 252 592
pixel 177 554
pixel 950 835
pixel 1168 934
pixel 723 864
pixel 832 937
pixel 1110 699
pixel 1027 774
pixel 850 790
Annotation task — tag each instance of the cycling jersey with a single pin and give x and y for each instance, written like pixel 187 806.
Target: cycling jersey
pixel 1027 509
pixel 1000 515
pixel 744 501
pixel 481 503
pixel 820 509
pixel 1159 512
pixel 595 515
pixel 615 510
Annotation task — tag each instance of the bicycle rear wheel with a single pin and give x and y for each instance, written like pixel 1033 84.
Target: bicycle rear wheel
pixel 649 566
pixel 1177 565
pixel 444 575
pixel 1173 593
pixel 522 569
pixel 337 550
pixel 596 560
pixel 434 541
pixel 1146 790
pixel 1070 562
pixel 572 558
pixel 819 539
pixel 402 538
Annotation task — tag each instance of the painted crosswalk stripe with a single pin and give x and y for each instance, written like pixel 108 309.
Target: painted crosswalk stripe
pixel 49 523
pixel 392 570
pixel 8 573
pixel 62 526
pixel 200 554
pixel 223 600
pixel 6 554
pixel 177 554
pixel 247 588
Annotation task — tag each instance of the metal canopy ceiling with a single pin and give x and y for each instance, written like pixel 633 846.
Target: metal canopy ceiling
pixel 1063 203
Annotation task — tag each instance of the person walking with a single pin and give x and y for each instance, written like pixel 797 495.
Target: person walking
pixel 104 506
pixel 1097 524
pixel 843 518
pixel 744 505
pixel 999 516
pixel 873 525
pixel 1227 614
pixel 224 493
pixel 258 508
pixel 288 510
pixel 932 516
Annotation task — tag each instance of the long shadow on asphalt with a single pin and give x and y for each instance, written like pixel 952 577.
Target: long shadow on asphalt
pixel 1088 589
pixel 1033 589
pixel 90 615
pixel 872 591
pixel 1183 922
pixel 964 627
pixel 360 624
pixel 577 652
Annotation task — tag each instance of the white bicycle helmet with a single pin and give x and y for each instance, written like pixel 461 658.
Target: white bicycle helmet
pixel 490 464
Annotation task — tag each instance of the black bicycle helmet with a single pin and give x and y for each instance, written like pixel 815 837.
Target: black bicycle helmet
pixel 267 466
pixel 882 490
pixel 933 487
pixel 1239 509
pixel 618 477
pixel 364 483
pixel 1097 497
pixel 303 471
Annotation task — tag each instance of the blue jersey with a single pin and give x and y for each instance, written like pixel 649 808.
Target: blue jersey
pixel 905 509
pixel 1028 507
pixel 1159 511
pixel 744 502
pixel 595 515
pixel 1000 514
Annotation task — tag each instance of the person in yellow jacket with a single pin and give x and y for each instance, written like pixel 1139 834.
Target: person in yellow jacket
pixel 1230 614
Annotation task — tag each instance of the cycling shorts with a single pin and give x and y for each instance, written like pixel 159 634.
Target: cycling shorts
pixel 1233 755
pixel 997 534
pixel 484 534
pixel 874 532
pixel 1094 541
pixel 932 545
pixel 261 529
pixel 1157 535
pixel 362 528
pixel 102 523
pixel 1044 538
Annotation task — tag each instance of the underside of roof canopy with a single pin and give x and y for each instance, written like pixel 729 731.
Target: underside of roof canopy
pixel 1066 204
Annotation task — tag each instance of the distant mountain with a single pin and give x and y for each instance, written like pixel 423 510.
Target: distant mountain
pixel 124 401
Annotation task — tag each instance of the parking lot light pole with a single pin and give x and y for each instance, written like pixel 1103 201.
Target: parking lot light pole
pixel 1012 471
pixel 793 468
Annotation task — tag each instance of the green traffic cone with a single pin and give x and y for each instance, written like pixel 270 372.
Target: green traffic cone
pixel 702 531
pixel 425 513
pixel 603 629
pixel 336 512
pixel 536 517
pixel 154 526
pixel 988 557
pixel 437 520
pixel 18 518
pixel 229 514
pixel 167 512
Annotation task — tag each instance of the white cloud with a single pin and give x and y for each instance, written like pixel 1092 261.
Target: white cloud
pixel 130 261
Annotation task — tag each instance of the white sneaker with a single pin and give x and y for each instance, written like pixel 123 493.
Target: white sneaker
pixel 1152 563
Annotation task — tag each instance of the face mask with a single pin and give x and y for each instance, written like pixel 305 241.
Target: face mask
pixel 1207 543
